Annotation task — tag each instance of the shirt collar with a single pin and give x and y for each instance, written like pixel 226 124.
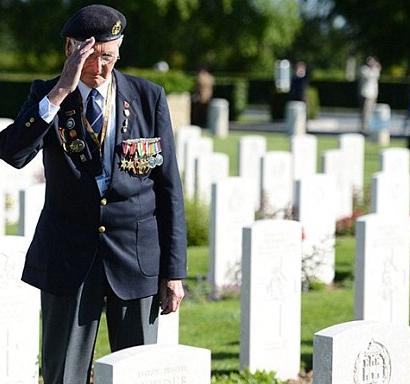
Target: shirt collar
pixel 85 89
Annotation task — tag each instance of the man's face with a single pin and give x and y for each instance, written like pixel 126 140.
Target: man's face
pixel 99 65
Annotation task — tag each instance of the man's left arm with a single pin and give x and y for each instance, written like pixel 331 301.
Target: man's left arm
pixel 170 213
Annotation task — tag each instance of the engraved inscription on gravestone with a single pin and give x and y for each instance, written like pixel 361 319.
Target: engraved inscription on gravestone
pixel 373 366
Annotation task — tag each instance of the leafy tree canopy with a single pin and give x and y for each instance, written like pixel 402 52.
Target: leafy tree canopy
pixel 378 27
pixel 228 35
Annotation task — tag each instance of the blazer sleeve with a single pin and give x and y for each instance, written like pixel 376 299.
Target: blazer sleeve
pixel 169 199
pixel 21 141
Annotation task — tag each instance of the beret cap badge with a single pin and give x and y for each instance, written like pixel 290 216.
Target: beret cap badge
pixel 116 29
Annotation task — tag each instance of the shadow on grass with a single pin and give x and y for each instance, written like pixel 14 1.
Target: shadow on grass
pixel 220 372
pixel 307 361
pixel 224 355
pixel 342 276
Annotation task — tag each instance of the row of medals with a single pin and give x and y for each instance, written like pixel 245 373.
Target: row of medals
pixel 141 155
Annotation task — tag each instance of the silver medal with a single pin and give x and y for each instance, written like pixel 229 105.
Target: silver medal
pixel 152 162
pixel 159 160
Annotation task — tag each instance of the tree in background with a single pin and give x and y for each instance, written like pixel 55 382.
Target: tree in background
pixel 378 27
pixel 227 35
pixel 322 42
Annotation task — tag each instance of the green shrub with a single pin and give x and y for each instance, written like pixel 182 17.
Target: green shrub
pixel 172 81
pixel 235 90
pixel 197 221
pixel 278 102
pixel 313 103
pixel 245 377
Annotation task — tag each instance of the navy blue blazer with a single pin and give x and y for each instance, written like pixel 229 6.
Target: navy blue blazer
pixel 142 215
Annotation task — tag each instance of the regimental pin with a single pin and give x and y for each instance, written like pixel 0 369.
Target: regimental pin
pixel 83 158
pixel 126 112
pixel 77 146
pixel 124 129
pixel 70 124
pixel 126 104
pixel 70 113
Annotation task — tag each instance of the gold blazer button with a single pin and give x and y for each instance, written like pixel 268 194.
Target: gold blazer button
pixel 101 229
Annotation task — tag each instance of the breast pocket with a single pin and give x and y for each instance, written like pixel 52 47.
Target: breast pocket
pixel 148 250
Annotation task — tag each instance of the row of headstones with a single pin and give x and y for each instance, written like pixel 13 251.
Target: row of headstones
pixel 232 209
pixel 271 174
pixel 270 299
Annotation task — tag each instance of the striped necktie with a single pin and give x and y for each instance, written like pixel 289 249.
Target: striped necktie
pixel 94 113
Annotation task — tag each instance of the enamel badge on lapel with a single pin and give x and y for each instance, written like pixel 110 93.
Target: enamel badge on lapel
pixel 69 136
pixel 126 112
pixel 141 155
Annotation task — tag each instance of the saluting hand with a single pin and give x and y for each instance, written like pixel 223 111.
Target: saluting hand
pixel 171 293
pixel 70 76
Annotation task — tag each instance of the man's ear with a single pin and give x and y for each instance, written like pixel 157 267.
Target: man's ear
pixel 68 49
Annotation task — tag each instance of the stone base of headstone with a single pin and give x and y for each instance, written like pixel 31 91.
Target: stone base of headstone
pixel 162 364
pixel 218 117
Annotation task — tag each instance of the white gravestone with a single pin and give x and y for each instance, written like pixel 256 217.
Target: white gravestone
pixel 183 134
pixel 314 208
pixel 31 203
pixel 395 160
pixel 295 118
pixel 379 124
pixel 334 164
pixel 19 316
pixel 251 149
pixel 362 352
pixel 231 210
pixel 155 364
pixel 304 154
pixel 353 145
pixel 382 269
pixel 271 297
pixel 390 194
pixel 13 180
pixel 168 328
pixel 218 117
pixel 193 149
pixel 4 123
pixel 277 183
pixel 209 168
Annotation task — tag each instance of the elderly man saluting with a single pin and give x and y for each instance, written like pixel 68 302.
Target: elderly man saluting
pixel 112 230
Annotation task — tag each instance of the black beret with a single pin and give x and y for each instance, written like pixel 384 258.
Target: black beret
pixel 102 22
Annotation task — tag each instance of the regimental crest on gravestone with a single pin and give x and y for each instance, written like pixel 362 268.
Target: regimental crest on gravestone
pixel 373 366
